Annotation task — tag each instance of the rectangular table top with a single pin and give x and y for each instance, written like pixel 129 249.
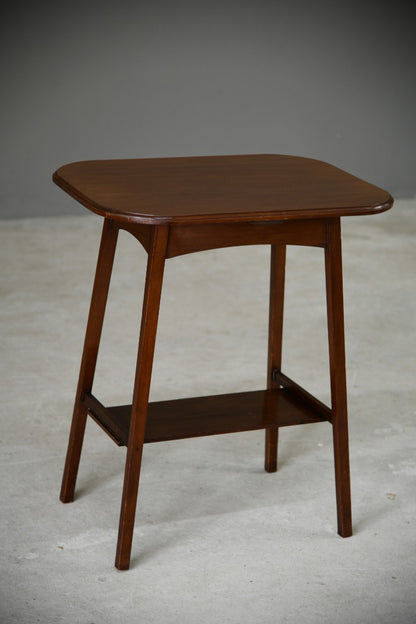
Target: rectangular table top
pixel 219 189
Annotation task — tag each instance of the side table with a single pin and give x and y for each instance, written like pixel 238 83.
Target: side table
pixel 176 206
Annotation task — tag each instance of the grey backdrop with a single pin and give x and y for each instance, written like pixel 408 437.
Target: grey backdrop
pixel 329 80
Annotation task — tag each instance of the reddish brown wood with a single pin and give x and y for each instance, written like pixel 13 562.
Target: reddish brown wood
pixel 189 238
pixel 335 310
pixel 274 360
pixel 218 189
pixel 89 356
pixel 209 415
pixel 150 313
pixel 116 426
pixel 183 205
pixel 293 389
pixel 143 233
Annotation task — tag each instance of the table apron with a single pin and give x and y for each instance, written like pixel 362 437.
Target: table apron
pixel 184 239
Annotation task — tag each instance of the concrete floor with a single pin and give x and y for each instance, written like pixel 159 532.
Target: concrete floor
pixel 217 539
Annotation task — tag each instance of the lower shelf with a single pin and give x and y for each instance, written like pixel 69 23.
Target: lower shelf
pixel 210 415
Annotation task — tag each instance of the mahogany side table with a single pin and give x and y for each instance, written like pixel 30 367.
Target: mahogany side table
pixel 176 206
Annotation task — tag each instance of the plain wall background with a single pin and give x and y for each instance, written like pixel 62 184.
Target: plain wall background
pixel 334 81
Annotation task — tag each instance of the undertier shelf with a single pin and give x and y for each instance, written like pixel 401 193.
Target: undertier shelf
pixel 212 415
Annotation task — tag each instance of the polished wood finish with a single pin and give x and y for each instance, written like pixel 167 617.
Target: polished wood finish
pixel 274 360
pixel 89 356
pixel 335 312
pixel 150 313
pixel 189 238
pixel 184 205
pixel 219 189
pixel 209 415
pixel 311 402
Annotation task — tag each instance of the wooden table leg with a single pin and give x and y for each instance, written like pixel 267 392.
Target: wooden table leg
pixel 89 356
pixel 150 313
pixel 335 310
pixel 277 286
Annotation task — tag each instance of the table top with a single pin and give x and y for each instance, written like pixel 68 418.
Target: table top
pixel 219 189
